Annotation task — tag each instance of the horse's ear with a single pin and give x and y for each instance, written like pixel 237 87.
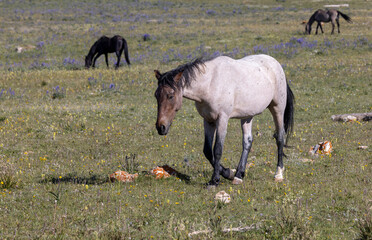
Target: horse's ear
pixel 157 74
pixel 178 77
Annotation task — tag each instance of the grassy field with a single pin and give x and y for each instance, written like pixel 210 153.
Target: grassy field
pixel 64 129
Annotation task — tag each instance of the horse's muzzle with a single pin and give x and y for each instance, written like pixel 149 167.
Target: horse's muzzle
pixel 162 129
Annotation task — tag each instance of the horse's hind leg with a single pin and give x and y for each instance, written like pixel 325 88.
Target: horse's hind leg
pixel 338 25
pixel 221 130
pixel 278 116
pixel 118 54
pixel 333 26
pixel 119 51
pixel 209 132
pixel 247 144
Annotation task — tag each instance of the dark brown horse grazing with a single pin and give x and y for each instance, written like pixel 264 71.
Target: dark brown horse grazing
pixel 326 16
pixel 105 45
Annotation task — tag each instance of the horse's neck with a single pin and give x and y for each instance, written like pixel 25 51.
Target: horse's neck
pixel 311 20
pixel 198 88
pixel 192 92
pixel 92 50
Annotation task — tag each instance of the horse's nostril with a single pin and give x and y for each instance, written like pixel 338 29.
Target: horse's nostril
pixel 162 128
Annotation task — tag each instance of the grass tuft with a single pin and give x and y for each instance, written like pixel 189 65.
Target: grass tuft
pixel 8 179
pixel 364 226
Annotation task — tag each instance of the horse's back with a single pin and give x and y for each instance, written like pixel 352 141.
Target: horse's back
pixel 268 70
pixel 248 85
pixel 103 39
pixel 109 45
pixel 265 66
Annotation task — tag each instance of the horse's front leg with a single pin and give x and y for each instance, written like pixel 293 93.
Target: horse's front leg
pixel 209 131
pixel 247 144
pixel 317 27
pixel 95 59
pixel 321 28
pixel 106 58
pixel 218 148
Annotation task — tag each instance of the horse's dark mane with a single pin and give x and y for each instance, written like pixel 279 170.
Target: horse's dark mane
pixel 92 50
pixel 188 70
pixel 312 18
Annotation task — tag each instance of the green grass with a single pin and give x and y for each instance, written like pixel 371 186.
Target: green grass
pixel 59 144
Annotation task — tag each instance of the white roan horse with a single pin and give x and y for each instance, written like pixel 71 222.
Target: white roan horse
pixel 225 88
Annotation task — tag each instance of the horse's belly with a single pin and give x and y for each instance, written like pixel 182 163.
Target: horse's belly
pixel 249 109
pixel 252 100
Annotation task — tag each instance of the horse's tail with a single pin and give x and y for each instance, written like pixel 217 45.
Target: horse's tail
pixel 125 46
pixel 346 17
pixel 289 112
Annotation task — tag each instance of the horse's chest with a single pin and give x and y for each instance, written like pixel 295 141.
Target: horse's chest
pixel 206 111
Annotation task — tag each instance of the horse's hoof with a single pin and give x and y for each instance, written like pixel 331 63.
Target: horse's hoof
pixel 211 187
pixel 232 174
pixel 237 181
pixel 278 179
pixel 279 174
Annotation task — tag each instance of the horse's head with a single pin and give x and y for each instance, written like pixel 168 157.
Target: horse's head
pixel 169 97
pixel 308 28
pixel 88 61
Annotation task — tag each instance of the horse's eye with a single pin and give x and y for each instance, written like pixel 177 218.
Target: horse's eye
pixel 170 97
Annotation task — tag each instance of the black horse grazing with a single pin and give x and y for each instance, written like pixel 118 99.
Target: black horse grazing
pixel 105 45
pixel 326 16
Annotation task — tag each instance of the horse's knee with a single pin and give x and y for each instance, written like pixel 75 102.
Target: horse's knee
pixel 247 143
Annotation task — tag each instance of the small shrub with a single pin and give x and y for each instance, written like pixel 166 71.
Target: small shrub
pixel 146 37
pixel 8 179
pixel 130 164
pixel 109 87
pixel 291 221
pixel 365 227
pixel 57 93
pixel 113 233
pixel 92 81
pixel 56 194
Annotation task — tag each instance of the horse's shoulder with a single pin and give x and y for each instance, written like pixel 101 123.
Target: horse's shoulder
pixel 102 38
